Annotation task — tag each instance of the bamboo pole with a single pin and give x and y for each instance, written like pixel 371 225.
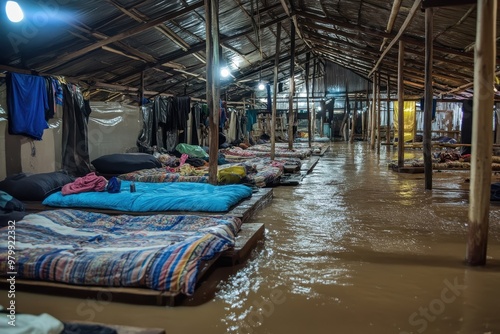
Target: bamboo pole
pixel 427 144
pixel 308 59
pixel 373 121
pixel 347 117
pixel 388 114
pixel 213 84
pixel 354 117
pixel 275 90
pixel 482 134
pixel 141 93
pixel 379 113
pixel 414 9
pixel 291 120
pixel 365 117
pixel 401 94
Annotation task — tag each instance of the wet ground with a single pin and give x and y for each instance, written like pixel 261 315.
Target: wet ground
pixel 356 248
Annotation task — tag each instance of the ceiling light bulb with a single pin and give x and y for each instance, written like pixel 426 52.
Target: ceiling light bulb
pixel 224 72
pixel 14 12
pixel 261 86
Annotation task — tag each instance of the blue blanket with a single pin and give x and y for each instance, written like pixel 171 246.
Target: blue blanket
pixel 179 196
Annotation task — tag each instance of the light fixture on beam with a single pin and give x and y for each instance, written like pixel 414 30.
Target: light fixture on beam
pixel 14 12
pixel 224 72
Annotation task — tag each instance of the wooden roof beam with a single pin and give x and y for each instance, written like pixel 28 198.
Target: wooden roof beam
pixel 381 34
pixel 446 3
pixel 100 36
pixel 392 18
pixel 120 36
pixel 199 47
pixel 395 40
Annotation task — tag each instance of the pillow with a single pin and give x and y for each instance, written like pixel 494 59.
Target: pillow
pixel 122 163
pixel 34 187
pixel 9 203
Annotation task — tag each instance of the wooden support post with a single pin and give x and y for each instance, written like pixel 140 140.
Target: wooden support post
pixel 497 123
pixel 275 90
pixel 309 119
pixel 427 144
pixel 347 115
pixel 388 114
pixel 354 117
pixel 401 96
pixel 141 93
pixel 482 132
pixel 291 119
pixel 213 84
pixel 373 120
pixel 365 118
pixel 379 113
pixel 323 116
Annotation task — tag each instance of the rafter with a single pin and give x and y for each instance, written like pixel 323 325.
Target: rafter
pixel 120 36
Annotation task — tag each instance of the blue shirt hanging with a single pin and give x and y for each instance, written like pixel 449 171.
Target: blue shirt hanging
pixel 27 101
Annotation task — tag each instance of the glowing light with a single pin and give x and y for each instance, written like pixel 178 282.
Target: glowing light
pixel 319 108
pixel 224 72
pixel 14 12
pixel 261 86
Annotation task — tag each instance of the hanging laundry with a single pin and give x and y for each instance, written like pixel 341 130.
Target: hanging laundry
pixel 195 125
pixel 27 101
pixel 55 96
pixel 75 148
pixel 182 106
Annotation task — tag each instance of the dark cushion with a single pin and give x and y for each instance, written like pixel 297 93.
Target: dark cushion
pixel 13 217
pixel 9 203
pixel 122 163
pixel 34 187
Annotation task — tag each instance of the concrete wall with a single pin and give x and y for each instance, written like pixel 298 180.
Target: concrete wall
pixel 22 154
pixel 113 128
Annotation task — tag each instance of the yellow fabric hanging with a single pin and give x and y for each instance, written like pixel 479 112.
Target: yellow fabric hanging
pixel 410 120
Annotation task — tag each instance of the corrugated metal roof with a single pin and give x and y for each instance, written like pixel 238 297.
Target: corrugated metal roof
pixel 106 45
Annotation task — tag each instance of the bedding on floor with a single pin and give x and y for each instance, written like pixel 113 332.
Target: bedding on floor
pixel 261 172
pixel 159 252
pixel 162 175
pixel 157 197
pixel 264 150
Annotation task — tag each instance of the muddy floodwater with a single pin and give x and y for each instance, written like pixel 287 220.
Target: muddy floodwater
pixel 356 248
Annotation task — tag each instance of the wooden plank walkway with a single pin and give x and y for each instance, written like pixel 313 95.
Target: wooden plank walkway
pixel 248 238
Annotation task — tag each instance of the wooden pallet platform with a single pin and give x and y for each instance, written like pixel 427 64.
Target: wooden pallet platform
pixel 322 151
pixel 248 238
pixel 309 165
pixel 120 329
pixel 408 170
pixel 244 210
pixel 130 295
pixel 247 208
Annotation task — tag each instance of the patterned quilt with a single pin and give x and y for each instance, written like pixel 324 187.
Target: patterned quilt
pixel 158 252
pixel 161 175
pixel 261 172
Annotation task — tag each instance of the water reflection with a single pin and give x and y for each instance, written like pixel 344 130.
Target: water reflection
pixel 359 248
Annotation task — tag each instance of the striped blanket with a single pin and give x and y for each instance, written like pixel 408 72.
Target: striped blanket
pixel 76 247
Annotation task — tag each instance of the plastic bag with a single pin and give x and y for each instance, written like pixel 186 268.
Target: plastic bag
pixel 231 175
pixel 194 151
